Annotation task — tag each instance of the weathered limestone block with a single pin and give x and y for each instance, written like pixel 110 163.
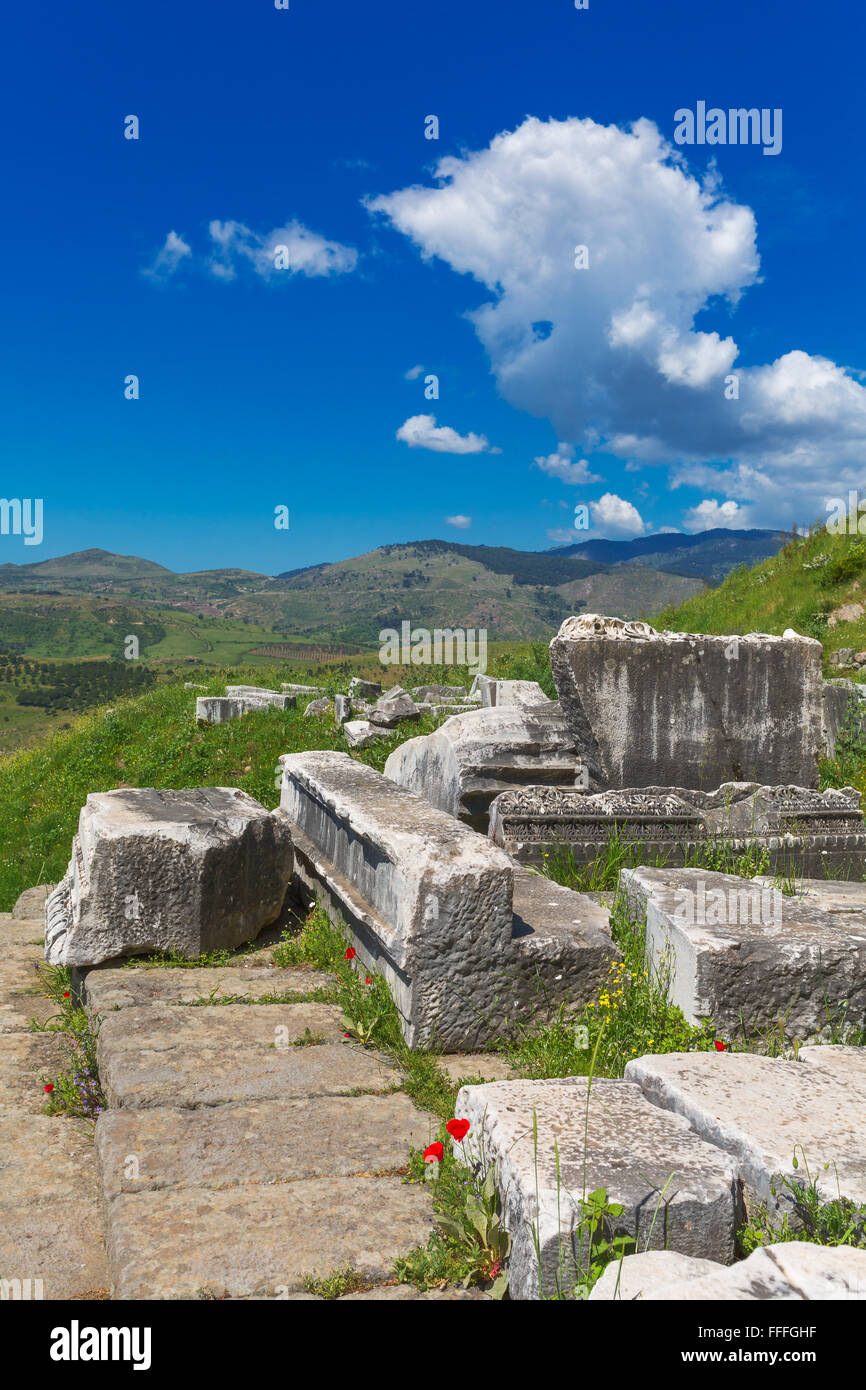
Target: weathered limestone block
pixel 678 1191
pixel 187 871
pixel 637 1276
pixel 342 708
pixel 467 940
pixel 360 733
pixel 317 707
pixel 240 700
pixel 791 1270
pixel 435 694
pixel 767 1111
pixel 745 955
pixel 803 831
pixel 289 688
pixel 364 690
pixel 463 765
pixel 392 708
pixel 496 693
pixel 648 708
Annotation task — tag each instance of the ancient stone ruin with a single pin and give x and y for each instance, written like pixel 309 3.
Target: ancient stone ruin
pixel 237 1115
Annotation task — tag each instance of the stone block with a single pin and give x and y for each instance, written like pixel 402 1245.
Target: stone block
pixel 342 708
pixel 747 956
pixel 651 708
pixel 468 941
pixel 844 707
pixel 364 690
pixel 437 694
pixel 360 733
pixel 792 1271
pixel 165 1055
pixel 552 1143
pixel 319 707
pixel 474 756
pixel 803 831
pixel 107 989
pixel 637 1276
pixel 187 871
pixel 765 1112
pixel 496 693
pixel 391 710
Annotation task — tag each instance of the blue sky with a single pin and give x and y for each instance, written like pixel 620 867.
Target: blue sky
pixel 262 387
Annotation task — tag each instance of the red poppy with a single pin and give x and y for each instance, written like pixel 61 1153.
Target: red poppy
pixel 458 1129
pixel 368 981
pixel 66 994
pixel 347 1035
pixel 720 1046
pixel 49 1088
pixel 434 1153
pixel 350 954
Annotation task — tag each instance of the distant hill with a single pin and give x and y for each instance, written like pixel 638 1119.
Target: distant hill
pixel 517 595
pixel 707 555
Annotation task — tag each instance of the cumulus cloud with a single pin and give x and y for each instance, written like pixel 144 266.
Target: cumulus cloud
pixel 289 250
pixel 422 432
pixel 461 522
pixel 621 366
pixel 616 518
pixel 414 372
pixel 561 465
pixel 711 513
pixel 168 258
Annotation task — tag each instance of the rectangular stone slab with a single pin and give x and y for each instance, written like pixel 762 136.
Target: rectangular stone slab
pixel 792 1271
pixel 630 1148
pixel 110 989
pixel 801 830
pixel 760 1109
pixel 263 1142
pixel 260 1240
pixel 653 708
pixel 428 901
pixel 163 1054
pixel 772 960
pixel 188 871
pixel 469 942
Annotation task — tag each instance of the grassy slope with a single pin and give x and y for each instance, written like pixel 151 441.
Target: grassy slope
pixel 797 588
pixel 153 741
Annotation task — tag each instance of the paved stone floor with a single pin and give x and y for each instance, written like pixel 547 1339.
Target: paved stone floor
pixel 246 1146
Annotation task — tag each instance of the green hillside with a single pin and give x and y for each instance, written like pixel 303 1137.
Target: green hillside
pixel 801 587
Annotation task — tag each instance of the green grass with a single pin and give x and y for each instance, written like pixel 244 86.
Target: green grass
pixel 798 588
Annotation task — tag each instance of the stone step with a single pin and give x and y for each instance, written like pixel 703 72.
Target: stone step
pixel 25 1058
pixel 261 1240
pixel 110 989
pixel 551 1147
pixel 166 1055
pixel 761 1109
pixel 23 932
pixel 265 1142
pixel 50 1226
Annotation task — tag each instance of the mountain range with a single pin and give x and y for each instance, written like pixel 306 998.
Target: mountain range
pixel 515 594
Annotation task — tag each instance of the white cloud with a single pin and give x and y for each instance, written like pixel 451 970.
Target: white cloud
pixel 414 372
pixel 616 517
pixel 624 367
pixel 561 465
pixel 461 522
pixel 709 514
pixel 304 252
pixel 422 432
pixel 170 256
